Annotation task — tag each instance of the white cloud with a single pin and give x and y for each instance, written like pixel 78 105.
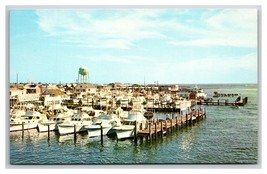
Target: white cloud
pixel 205 70
pixel 124 27
pixel 119 30
pixel 235 27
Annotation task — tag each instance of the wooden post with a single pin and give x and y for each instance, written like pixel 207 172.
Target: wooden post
pixel 186 117
pixel 181 121
pixel 166 127
pixel 141 139
pixel 155 130
pixel 48 130
pixel 191 117
pixel 101 134
pixel 22 125
pixel 74 132
pixel 171 125
pixel 202 112
pixel 161 127
pixel 218 102
pixel 197 114
pixel 176 122
pixel 149 129
pixel 135 132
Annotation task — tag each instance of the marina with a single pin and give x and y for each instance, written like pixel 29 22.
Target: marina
pixel 160 125
pixel 133 85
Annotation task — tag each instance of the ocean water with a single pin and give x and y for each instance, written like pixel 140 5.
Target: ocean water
pixel 226 136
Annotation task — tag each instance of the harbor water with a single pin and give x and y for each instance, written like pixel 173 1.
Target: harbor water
pixel 227 136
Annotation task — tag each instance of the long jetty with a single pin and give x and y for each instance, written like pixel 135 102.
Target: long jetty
pixel 157 128
pixel 223 102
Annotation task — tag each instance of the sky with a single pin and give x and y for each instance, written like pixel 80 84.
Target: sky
pixel 134 45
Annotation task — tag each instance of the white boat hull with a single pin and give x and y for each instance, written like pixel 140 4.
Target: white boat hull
pixel 67 129
pixel 64 129
pixel 123 132
pixel 95 130
pixel 19 127
pixel 43 127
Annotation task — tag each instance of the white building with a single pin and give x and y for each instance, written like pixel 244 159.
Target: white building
pixel 85 89
pixel 53 102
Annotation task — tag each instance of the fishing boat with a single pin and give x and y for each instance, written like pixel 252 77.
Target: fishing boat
pixel 199 92
pixel 53 122
pixel 78 123
pixel 135 119
pixel 104 122
pixel 28 120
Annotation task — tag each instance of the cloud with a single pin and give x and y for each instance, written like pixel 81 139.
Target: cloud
pixel 116 29
pixel 230 27
pixel 206 70
pixel 123 28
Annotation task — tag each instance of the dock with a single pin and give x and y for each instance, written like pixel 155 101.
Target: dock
pixel 223 102
pixel 160 128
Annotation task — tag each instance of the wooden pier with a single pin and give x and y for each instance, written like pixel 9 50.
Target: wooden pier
pixel 156 128
pixel 223 102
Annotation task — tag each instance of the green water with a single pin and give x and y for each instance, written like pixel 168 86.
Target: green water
pixel 226 136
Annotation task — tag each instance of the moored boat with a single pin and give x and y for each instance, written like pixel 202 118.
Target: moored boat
pixel 135 119
pixel 54 121
pixel 78 123
pixel 29 120
pixel 105 122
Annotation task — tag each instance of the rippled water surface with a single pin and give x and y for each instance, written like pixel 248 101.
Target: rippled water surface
pixel 227 135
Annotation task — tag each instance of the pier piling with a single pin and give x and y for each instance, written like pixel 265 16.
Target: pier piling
pixel 155 130
pixel 150 133
pixel 166 127
pixel 22 125
pixel 135 132
pixel 171 125
pixel 176 119
pixel 74 132
pixel 161 127
pixel 101 134
pixel 48 131
pixel 186 119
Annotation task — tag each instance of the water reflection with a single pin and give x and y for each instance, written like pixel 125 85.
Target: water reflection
pixel 188 139
pixel 66 138
pixel 29 136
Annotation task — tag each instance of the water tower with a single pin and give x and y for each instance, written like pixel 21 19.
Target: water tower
pixel 83 75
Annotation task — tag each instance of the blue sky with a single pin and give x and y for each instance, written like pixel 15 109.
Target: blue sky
pixel 128 45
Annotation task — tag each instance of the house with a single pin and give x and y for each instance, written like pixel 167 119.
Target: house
pixel 25 92
pixel 16 90
pixel 33 88
pixel 52 102
pixel 104 88
pixel 85 89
